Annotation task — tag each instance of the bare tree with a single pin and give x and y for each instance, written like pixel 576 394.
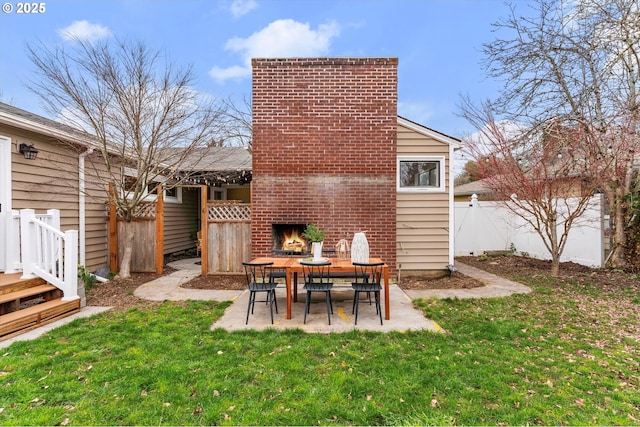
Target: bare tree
pixel 143 112
pixel 238 128
pixel 541 175
pixel 576 64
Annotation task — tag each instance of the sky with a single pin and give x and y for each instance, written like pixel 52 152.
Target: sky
pixel 437 42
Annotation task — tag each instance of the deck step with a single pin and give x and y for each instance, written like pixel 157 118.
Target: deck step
pixel 26 293
pixel 24 320
pixel 18 284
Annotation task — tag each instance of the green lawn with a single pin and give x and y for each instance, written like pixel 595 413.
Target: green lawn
pixel 557 356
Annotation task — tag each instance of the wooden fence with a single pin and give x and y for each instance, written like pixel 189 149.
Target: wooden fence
pixel 148 231
pixel 228 236
pixel 143 257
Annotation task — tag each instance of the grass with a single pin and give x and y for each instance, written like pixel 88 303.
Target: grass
pixel 553 357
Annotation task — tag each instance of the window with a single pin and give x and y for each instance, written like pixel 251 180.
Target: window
pixel 171 192
pixel 217 193
pixel 421 174
pixel 171 195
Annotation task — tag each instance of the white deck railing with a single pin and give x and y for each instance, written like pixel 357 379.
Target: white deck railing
pixel 49 253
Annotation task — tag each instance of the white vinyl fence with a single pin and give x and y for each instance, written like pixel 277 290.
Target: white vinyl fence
pixel 482 226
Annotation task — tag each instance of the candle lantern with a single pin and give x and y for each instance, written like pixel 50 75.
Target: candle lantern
pixel 342 249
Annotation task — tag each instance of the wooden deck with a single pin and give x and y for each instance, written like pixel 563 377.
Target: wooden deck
pixel 27 304
pixel 6 279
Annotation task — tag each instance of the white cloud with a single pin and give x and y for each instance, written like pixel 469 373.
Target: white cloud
pixel 239 8
pixel 284 38
pixel 236 72
pixel 417 111
pixel 84 30
pixel 481 142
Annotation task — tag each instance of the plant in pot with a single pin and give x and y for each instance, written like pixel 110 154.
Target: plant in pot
pixel 315 235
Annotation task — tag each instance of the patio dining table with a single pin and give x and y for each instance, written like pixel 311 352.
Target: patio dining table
pixel 292 268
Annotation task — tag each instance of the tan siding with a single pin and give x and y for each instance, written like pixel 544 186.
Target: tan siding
pixel 96 214
pixel 242 194
pixel 422 233
pixel 181 222
pixel 51 182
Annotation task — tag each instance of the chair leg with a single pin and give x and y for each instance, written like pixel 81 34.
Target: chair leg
pixel 356 301
pixel 329 305
pixel 356 295
pixel 275 301
pixel 270 300
pixel 378 308
pixel 306 306
pixel 250 306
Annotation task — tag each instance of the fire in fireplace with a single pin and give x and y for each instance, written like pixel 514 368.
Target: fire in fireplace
pixel 287 239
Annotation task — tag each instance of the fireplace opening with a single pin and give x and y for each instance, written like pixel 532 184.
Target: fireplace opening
pixel 287 239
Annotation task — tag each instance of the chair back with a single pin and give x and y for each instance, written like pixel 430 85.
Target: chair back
pixel 316 273
pixel 258 272
pixel 368 273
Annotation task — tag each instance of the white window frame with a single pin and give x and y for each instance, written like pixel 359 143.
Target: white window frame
pixel 219 190
pixel 167 199
pixel 152 197
pixel 441 165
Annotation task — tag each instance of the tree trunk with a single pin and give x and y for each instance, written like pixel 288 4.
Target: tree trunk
pixel 555 266
pixel 555 250
pixel 619 258
pixel 619 241
pixel 125 264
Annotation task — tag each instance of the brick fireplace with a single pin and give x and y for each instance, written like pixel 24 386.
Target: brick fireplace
pixel 324 149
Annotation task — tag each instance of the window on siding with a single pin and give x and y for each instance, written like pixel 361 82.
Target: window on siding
pixel 171 195
pixel 420 174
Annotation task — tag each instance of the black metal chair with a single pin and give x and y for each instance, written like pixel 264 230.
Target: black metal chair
pixel 367 279
pixel 316 279
pixel 260 279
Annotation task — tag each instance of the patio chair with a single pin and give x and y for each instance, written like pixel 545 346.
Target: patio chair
pixel 198 243
pixel 367 279
pixel 316 279
pixel 260 280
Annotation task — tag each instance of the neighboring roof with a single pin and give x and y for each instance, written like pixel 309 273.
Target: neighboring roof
pixel 219 165
pixel 474 187
pixel 218 158
pixel 438 136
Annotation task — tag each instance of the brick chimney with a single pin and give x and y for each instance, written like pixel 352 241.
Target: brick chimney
pixel 324 149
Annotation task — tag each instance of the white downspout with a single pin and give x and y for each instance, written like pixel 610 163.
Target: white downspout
pixel 452 225
pixel 81 206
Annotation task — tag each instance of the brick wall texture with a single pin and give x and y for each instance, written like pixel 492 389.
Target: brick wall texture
pixel 324 149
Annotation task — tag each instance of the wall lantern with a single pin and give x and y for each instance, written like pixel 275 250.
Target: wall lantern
pixel 29 151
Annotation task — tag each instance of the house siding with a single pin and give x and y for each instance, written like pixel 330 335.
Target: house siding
pixel 181 222
pixel 51 182
pixel 422 233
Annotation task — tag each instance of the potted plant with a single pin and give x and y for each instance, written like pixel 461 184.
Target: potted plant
pixel 315 235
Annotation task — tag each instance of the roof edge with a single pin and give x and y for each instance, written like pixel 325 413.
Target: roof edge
pixel 25 123
pixel 424 130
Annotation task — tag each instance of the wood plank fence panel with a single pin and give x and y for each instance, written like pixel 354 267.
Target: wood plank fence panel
pixel 144 245
pixel 229 245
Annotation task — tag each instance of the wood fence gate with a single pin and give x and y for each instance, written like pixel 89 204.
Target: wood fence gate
pixel 148 242
pixel 228 235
